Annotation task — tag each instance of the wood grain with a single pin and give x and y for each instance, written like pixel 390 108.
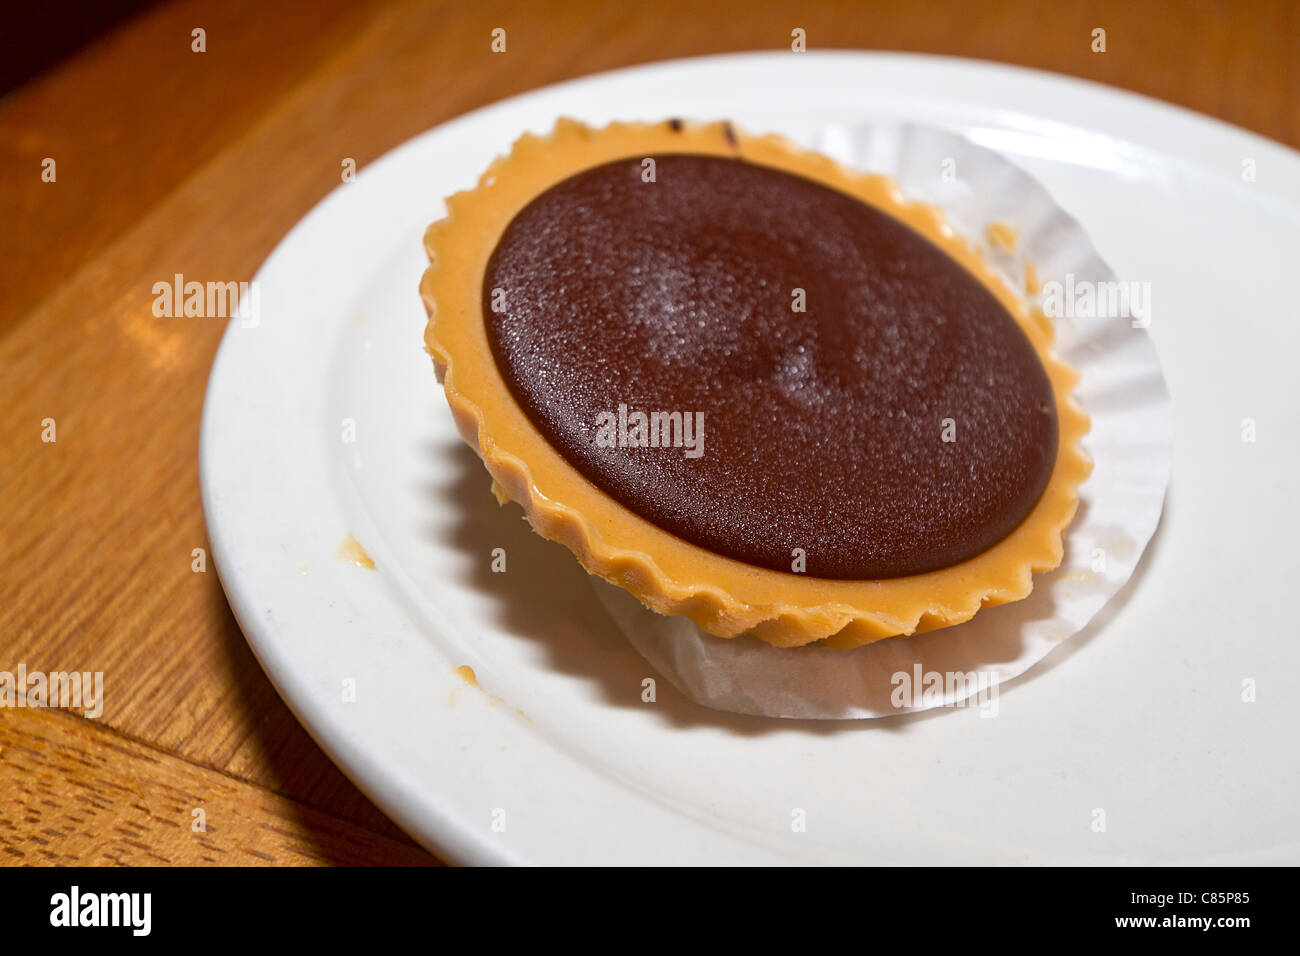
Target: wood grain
pixel 171 161
pixel 78 795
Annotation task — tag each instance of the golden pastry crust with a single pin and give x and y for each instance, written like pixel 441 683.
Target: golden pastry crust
pixel 669 575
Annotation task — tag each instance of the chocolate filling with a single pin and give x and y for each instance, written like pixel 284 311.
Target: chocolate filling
pixel 900 423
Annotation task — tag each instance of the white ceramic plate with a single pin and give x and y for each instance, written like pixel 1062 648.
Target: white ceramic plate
pixel 1138 721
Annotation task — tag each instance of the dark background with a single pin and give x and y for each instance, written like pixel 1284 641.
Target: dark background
pixel 38 36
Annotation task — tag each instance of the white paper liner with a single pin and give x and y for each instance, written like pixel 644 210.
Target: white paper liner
pixel 1131 444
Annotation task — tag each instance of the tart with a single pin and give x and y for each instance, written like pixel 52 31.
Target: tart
pixel 750 385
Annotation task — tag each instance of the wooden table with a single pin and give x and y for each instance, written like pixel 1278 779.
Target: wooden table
pixel 168 160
